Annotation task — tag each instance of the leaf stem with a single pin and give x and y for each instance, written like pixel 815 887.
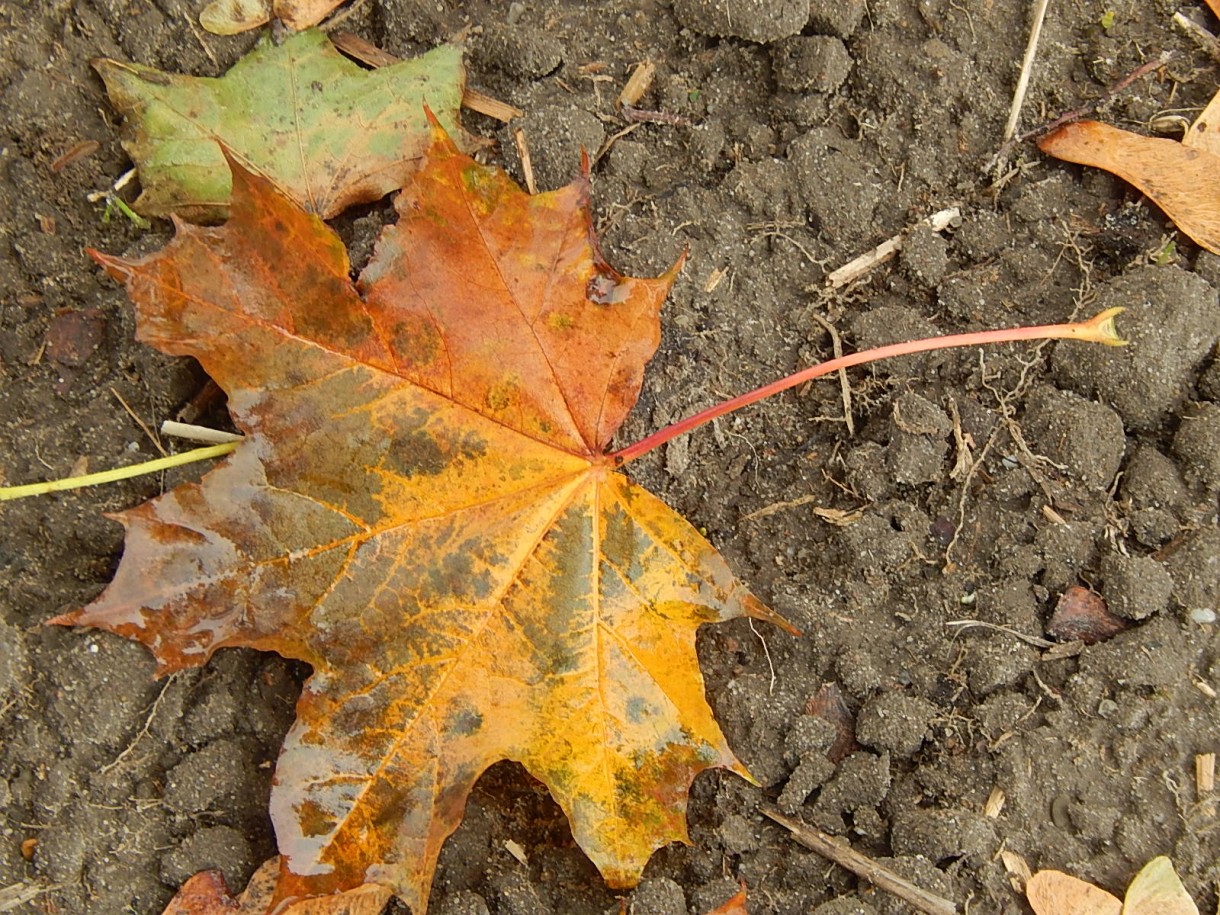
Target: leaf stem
pixel 119 473
pixel 1098 329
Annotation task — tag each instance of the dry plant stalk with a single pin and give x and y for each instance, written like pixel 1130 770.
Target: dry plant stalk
pixel 875 873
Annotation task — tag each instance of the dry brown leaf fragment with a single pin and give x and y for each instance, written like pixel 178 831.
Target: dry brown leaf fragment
pixel 830 704
pixel 1182 179
pixel 301 14
pixel 232 17
pixel 1081 614
pixel 1056 893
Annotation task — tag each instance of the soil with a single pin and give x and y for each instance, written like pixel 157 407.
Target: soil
pixel 968 486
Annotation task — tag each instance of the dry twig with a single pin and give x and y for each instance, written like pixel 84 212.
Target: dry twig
pixel 880 876
pixel 861 265
pixel 140 422
pixel 527 164
pixel 1027 66
pixel 844 385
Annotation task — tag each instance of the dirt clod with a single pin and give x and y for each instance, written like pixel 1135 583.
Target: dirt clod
pixel 816 63
pixel 942 834
pixel 1084 436
pixel 1172 322
pixel 213 847
pixel 753 20
pixel 894 722
pixel 1194 563
pixel 845 905
pixel 1135 587
pixel 1197 444
pixel 213 779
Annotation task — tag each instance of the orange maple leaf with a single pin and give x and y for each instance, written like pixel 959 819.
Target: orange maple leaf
pixel 423 510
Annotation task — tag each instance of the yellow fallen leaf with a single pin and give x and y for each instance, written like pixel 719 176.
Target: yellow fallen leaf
pixel 1181 179
pixel 1156 890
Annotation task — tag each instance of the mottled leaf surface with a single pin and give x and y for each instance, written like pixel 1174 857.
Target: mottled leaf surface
pixel 328 133
pixel 422 509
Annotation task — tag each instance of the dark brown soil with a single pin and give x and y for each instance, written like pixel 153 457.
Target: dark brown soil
pixel 805 133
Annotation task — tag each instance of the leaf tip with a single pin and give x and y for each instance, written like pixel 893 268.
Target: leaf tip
pixel 1049 141
pixel 65 619
pixel 756 609
pixel 672 273
pixel 116 267
pixel 741 770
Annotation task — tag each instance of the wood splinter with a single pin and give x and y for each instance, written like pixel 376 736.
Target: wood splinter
pixel 1205 775
pixel 879 876
pixel 856 268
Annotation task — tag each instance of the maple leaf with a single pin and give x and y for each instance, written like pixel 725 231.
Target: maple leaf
pixel 327 132
pixel 423 509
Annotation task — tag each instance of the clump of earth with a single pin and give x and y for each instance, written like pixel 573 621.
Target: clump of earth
pixel 921 548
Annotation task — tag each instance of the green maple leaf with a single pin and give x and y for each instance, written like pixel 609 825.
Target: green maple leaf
pixel 328 133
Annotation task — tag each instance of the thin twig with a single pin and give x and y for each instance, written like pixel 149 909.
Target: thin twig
pixel 527 164
pixel 861 265
pixel 140 422
pixel 844 385
pixel 1077 113
pixel 1201 36
pixel 1027 66
pixel 643 116
pixel 979 624
pixel 21 893
pixel 862 866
